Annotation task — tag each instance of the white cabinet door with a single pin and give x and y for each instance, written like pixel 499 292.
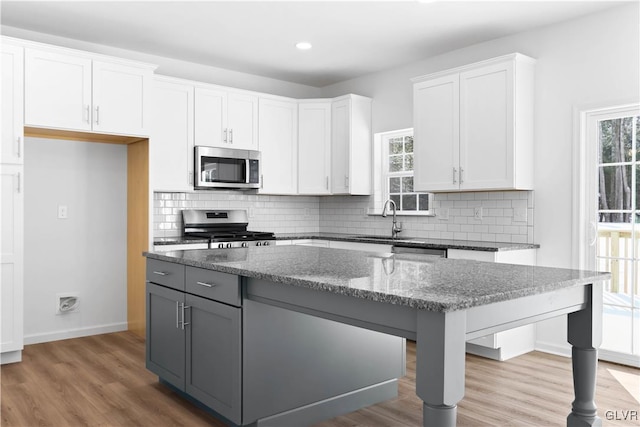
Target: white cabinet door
pixel 242 121
pixel 314 147
pixel 119 93
pixel 436 134
pixel 57 90
pixel 340 150
pixel 171 146
pixel 351 145
pixel 278 139
pixel 12 146
pixel 486 127
pixel 211 118
pixel 12 257
pixel 473 127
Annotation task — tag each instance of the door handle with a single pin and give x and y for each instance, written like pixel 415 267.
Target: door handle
pixel 185 307
pixel 97 114
pixel 87 114
pixel 177 314
pixel 225 134
pixel 208 285
pixel 454 175
pixel 160 273
pixel 19 179
pixel 461 175
pixel 19 148
pixel 231 136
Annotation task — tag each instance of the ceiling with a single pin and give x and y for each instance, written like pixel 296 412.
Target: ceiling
pixel 350 38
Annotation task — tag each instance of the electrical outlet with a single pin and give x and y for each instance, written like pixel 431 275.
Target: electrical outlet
pixel 63 212
pixel 520 215
pixel 443 214
pixel 477 213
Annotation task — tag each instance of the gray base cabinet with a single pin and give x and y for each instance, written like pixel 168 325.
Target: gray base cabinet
pixel 194 343
pixel 257 364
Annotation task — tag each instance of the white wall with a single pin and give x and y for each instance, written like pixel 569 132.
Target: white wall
pixel 85 253
pixel 584 61
pixel 177 68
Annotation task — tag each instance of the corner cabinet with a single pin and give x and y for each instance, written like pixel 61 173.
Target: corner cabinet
pixel 278 136
pixel 68 90
pixel 314 146
pixel 171 149
pixel 351 142
pixel 224 118
pixel 473 127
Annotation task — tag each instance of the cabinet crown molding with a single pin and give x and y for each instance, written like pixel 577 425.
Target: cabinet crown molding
pixel 76 52
pixel 518 57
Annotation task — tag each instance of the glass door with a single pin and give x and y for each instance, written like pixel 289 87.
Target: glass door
pixel 618 234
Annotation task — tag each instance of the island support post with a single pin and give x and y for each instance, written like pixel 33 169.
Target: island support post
pixel 585 336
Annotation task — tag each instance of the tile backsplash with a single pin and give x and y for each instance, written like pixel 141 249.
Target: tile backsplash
pixel 507 216
pixel 279 214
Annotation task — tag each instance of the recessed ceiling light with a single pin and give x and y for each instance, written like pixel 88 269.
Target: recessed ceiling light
pixel 303 45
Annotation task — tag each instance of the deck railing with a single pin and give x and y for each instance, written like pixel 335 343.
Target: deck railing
pixel 616 254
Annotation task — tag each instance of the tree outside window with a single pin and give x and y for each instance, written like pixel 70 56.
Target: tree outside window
pixel 398 170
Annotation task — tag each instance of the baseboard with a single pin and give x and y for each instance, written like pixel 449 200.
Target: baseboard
pixel 480 350
pixel 335 406
pixel 11 357
pixel 75 333
pixel 553 348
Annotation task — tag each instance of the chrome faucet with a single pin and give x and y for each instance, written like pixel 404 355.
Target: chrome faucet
pixel 395 228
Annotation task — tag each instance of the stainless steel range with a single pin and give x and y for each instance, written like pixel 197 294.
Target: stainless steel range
pixel 223 228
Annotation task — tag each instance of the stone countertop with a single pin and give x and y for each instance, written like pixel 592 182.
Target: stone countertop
pixel 418 281
pixel 418 242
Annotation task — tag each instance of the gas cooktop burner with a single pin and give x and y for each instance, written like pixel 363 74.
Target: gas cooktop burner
pixel 223 228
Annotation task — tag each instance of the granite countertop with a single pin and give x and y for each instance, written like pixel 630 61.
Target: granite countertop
pixel 430 283
pixel 417 242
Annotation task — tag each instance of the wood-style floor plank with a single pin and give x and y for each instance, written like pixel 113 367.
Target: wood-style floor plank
pixel 101 381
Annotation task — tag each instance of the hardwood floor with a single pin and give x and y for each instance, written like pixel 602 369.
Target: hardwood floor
pixel 101 381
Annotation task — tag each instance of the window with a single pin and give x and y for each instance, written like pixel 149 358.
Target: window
pixel 397 173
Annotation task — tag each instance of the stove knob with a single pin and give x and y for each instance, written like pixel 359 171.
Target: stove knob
pixel 228 245
pixel 220 245
pixel 265 244
pixel 245 244
pixel 259 244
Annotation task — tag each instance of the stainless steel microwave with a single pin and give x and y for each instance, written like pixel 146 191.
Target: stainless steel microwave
pixel 226 168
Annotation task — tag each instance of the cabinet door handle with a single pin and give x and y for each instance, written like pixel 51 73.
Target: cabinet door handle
pixel 208 285
pixel 261 182
pixel 18 147
pixel 230 136
pixel 461 175
pixel 184 307
pixel 97 114
pixel 160 273
pixel 327 183
pixel 177 314
pixel 346 181
pixel 224 135
pixel 87 114
pixel 19 179
pixel 454 175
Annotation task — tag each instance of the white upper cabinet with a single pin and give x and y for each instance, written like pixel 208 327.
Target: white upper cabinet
pixel 314 146
pixel 473 127
pixel 351 142
pixel 225 118
pixel 171 147
pixel 71 91
pixel 119 93
pixel 12 148
pixel 278 136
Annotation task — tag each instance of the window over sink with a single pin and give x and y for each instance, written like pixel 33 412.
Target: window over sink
pixel 393 175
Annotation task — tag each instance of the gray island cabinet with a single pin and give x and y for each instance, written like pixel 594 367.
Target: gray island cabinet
pixel 321 331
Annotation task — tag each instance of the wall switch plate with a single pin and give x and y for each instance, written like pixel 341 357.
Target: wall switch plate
pixel 63 212
pixel 520 215
pixel 477 213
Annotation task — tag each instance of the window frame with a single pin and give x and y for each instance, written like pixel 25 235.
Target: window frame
pixel 382 175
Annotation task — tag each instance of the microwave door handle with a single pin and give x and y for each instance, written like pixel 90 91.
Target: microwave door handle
pixel 247 170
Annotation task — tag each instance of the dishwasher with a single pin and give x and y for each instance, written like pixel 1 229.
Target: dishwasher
pixel 431 252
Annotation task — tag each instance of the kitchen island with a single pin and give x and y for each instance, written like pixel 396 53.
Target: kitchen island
pixel 439 303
